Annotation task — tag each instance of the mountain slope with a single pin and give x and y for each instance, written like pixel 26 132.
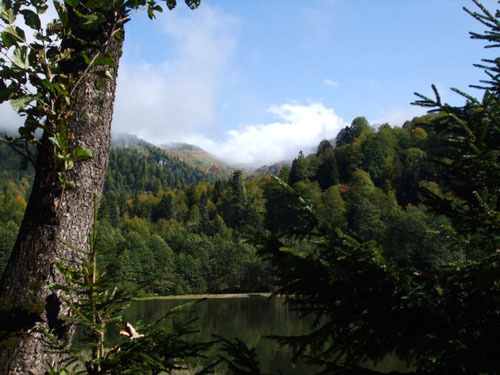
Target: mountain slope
pixel 199 158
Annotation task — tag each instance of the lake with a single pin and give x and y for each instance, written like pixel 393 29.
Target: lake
pixel 248 318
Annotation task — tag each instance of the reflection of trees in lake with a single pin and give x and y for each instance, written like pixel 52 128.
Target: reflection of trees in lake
pixel 249 319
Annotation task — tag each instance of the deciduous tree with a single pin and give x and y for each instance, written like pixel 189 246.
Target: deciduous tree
pixel 63 82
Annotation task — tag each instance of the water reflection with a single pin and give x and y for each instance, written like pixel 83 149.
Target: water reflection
pixel 249 319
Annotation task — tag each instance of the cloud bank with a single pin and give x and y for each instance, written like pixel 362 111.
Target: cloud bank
pixel 177 98
pixel 298 127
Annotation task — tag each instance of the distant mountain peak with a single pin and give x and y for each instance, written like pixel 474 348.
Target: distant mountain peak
pixel 194 155
pixel 126 140
pixel 179 146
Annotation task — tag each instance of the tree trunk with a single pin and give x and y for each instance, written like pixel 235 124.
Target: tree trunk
pixel 52 213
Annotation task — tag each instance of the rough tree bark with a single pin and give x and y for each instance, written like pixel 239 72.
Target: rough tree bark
pixel 52 213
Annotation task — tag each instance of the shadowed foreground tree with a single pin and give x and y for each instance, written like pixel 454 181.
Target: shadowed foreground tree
pixel 63 82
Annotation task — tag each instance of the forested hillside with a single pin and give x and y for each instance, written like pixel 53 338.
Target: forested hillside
pixel 199 158
pixel 189 233
pixel 388 238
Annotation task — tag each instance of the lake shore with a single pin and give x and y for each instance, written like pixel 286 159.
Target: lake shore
pixel 208 296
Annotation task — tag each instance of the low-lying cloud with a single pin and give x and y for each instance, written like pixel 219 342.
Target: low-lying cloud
pixel 298 127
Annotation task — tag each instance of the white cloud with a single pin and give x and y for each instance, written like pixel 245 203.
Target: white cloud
pixel 298 127
pixel 331 82
pixel 176 99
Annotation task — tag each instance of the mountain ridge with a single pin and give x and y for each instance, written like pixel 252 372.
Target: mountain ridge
pixel 197 157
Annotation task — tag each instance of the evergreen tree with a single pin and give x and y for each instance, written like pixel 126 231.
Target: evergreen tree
pixel 284 173
pixel 323 146
pixel 358 126
pixel 217 192
pixel 327 173
pixel 299 170
pixel 164 210
pixel 470 168
pixel 441 321
pixel 236 201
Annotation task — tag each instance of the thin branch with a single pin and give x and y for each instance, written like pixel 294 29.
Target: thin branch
pixel 91 63
pixel 16 149
pixel 129 16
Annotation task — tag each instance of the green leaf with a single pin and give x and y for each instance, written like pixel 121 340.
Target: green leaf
pixel 151 13
pixel 48 84
pixel 21 57
pixel 55 142
pixel 31 19
pixel 72 3
pixel 4 92
pixel 171 4
pixel 81 153
pixel 106 60
pixel 92 20
pixel 85 57
pixel 51 286
pixel 42 8
pixel 68 164
pixel 20 103
pixel 55 87
pixel 13 35
pixel 8 39
pixel 62 12
pixel 17 33
pixel 7 15
pixel 60 90
pixel 193 4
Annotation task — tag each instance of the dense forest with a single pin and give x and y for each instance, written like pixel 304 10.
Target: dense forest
pixel 389 237
pixel 191 232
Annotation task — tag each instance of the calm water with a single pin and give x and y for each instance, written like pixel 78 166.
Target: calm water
pixel 249 319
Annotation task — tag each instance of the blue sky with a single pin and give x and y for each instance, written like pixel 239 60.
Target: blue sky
pixel 255 81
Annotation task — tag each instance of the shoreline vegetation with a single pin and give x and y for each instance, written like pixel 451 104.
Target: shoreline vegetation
pixel 203 296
